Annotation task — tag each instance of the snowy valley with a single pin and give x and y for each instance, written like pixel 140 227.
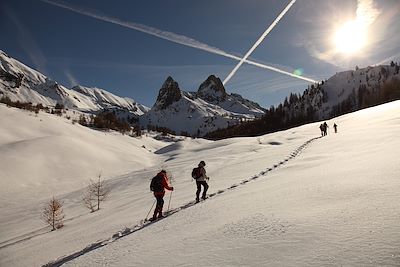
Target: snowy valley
pixel 288 198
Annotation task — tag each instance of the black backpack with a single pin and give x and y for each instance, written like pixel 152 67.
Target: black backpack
pixel 156 184
pixel 196 173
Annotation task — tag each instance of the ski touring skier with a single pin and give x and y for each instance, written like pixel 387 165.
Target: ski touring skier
pixel 158 185
pixel 321 127
pixel 335 127
pixel 201 180
pixel 326 128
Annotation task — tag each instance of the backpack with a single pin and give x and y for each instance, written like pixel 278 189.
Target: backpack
pixel 196 173
pixel 156 184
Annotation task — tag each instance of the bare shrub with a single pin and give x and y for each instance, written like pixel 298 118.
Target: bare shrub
pixel 96 192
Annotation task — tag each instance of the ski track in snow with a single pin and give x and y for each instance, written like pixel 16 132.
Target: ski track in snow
pixel 144 223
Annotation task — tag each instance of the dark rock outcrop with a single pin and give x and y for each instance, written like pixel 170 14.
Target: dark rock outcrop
pixel 212 90
pixel 168 94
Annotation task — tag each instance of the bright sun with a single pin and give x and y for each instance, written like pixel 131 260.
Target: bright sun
pixel 350 37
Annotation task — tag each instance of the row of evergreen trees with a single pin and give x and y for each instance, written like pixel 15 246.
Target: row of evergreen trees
pixel 21 105
pixel 105 120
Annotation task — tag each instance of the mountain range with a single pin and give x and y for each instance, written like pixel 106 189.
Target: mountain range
pixel 22 83
pixel 197 113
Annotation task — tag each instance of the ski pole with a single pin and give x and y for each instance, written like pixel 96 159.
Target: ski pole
pixel 150 210
pixel 169 202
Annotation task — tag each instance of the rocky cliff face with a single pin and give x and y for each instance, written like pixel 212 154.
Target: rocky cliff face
pixel 212 90
pixel 168 94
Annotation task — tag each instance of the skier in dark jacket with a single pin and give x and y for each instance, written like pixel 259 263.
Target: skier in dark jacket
pixel 321 127
pixel 159 192
pixel 335 127
pixel 202 181
pixel 326 128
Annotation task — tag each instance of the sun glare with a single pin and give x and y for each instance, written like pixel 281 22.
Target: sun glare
pixel 350 37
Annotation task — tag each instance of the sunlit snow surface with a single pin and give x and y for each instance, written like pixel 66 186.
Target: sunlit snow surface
pixel 330 202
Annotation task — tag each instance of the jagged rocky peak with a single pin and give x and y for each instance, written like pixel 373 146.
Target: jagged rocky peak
pixel 168 94
pixel 212 90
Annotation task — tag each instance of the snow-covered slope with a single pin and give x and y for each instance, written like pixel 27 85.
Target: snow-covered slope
pixel 53 152
pixel 276 200
pixel 19 82
pixel 340 86
pixel 197 113
pixel 344 92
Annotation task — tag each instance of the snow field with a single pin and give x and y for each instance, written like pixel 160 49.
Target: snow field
pixel 334 202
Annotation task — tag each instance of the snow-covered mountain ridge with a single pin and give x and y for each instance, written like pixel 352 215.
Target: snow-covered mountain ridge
pixel 199 112
pixel 21 83
pixel 345 92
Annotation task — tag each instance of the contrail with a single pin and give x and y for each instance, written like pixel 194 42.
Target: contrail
pixel 278 70
pixel 262 37
pixel 172 37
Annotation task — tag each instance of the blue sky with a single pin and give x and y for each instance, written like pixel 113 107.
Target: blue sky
pixel 92 43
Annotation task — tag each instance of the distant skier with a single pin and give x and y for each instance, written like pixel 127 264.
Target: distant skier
pixel 335 127
pixel 158 185
pixel 321 127
pixel 201 180
pixel 326 128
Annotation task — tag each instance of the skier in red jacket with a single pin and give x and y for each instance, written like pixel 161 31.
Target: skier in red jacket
pixel 158 186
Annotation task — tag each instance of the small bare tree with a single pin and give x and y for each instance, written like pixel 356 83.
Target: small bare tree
pixel 96 193
pixel 53 214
